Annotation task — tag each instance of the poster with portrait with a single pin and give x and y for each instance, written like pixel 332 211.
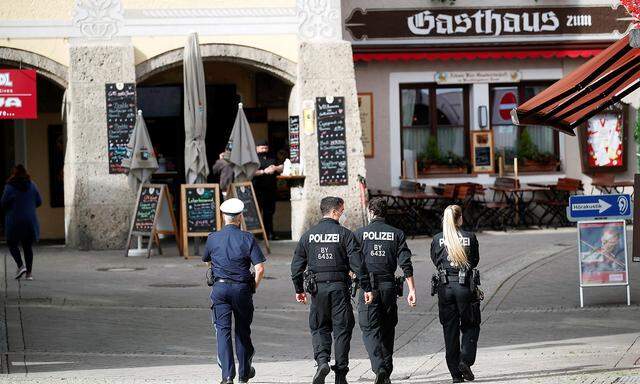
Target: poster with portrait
pixel 602 139
pixel 365 105
pixel 602 249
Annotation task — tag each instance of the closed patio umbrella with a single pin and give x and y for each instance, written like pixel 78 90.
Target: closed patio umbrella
pixel 141 160
pixel 195 113
pixel 243 148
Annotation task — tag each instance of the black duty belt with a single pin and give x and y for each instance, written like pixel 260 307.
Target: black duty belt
pixel 229 281
pixel 331 277
pixel 385 278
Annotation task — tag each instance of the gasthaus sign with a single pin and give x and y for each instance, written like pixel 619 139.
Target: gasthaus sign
pixel 458 22
pixel 18 94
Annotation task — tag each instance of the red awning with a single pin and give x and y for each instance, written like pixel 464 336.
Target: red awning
pixel 594 86
pixel 474 55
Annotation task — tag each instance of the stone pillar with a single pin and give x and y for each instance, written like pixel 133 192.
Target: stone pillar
pixel 325 68
pixel 97 204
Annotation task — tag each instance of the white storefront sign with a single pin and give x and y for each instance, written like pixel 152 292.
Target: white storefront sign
pixel 477 77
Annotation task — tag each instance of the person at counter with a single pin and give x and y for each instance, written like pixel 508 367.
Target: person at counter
pixel 265 185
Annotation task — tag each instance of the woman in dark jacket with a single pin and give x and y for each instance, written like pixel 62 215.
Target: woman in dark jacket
pixel 19 202
pixel 455 252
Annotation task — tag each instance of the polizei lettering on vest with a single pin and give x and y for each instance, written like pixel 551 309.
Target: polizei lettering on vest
pixel 466 242
pixel 378 236
pixel 324 238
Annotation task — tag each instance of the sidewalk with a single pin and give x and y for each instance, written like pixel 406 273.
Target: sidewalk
pixel 98 317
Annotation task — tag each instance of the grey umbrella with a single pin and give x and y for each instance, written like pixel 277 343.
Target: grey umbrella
pixel 195 113
pixel 243 148
pixel 141 160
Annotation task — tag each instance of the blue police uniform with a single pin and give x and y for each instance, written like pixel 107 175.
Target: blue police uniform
pixel 231 252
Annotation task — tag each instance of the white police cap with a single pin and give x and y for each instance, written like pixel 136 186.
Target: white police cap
pixel 232 206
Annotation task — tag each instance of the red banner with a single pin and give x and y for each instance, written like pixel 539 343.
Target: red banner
pixel 18 94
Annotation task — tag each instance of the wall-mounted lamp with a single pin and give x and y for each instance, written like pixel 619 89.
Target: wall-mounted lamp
pixel 483 116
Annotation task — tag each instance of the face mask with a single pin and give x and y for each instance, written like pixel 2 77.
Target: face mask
pixel 343 218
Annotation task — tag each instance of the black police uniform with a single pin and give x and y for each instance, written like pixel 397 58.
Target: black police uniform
pixel 266 187
pixel 231 252
pixel 330 250
pixel 454 304
pixel 383 248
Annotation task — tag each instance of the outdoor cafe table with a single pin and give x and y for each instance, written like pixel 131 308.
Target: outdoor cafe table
pixel 614 187
pixel 413 205
pixel 519 202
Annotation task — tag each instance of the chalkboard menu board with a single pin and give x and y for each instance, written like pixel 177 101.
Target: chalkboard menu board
pixel 146 210
pixel 201 209
pixel 332 141
pixel 294 139
pixel 483 156
pixel 121 117
pixel 244 192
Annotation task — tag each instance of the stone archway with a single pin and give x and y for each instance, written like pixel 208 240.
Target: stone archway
pixel 276 65
pixel 44 66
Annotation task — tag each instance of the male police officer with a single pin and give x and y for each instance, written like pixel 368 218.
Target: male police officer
pixel 383 248
pixel 231 252
pixel 330 251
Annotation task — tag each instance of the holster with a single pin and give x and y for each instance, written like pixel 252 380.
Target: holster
pixel 355 284
pixel 474 282
pixel 309 283
pixel 399 280
pixel 435 282
pixel 209 277
pixel 252 283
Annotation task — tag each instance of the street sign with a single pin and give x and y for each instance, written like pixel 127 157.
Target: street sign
pixel 589 207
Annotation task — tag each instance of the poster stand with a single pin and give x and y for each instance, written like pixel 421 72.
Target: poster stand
pixel 605 254
pixel 251 216
pixel 152 216
pixel 189 211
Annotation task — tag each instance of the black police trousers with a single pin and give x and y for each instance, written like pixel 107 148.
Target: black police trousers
pixel 331 312
pixel 458 315
pixel 378 322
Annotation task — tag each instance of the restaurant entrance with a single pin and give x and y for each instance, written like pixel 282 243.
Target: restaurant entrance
pixel 265 103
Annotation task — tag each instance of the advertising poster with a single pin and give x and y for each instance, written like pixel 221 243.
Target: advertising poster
pixel 604 140
pixel 602 252
pixel 365 104
pixel 18 96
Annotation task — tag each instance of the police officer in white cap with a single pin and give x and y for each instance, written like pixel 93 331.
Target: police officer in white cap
pixel 231 252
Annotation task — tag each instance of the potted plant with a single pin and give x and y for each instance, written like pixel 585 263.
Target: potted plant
pixel 531 158
pixel 433 162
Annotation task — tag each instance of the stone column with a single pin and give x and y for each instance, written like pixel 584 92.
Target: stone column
pixel 325 68
pixel 97 204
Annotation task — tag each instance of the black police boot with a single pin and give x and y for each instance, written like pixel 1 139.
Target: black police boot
pixel 382 377
pixel 341 377
pixel 252 374
pixel 226 381
pixel 466 372
pixel 321 373
pixel 458 380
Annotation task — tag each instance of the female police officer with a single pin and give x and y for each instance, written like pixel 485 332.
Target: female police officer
pixel 455 253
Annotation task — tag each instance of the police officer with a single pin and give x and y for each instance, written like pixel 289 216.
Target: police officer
pixel 329 251
pixel 231 252
pixel 383 248
pixel 455 253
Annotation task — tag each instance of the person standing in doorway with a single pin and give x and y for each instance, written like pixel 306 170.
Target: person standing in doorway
pixel 455 254
pixel 265 184
pixel 19 202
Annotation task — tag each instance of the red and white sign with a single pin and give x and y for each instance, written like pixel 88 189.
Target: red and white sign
pixel 18 94
pixel 504 100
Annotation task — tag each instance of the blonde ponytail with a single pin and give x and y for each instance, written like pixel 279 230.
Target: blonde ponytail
pixel 455 251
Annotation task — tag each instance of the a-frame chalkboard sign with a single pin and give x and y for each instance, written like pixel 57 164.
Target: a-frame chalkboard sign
pixel 199 212
pixel 153 216
pixel 251 216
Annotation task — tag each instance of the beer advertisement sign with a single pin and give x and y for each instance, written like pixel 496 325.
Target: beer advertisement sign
pixel 18 98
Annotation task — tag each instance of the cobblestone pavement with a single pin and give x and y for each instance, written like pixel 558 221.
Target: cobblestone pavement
pixel 98 317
